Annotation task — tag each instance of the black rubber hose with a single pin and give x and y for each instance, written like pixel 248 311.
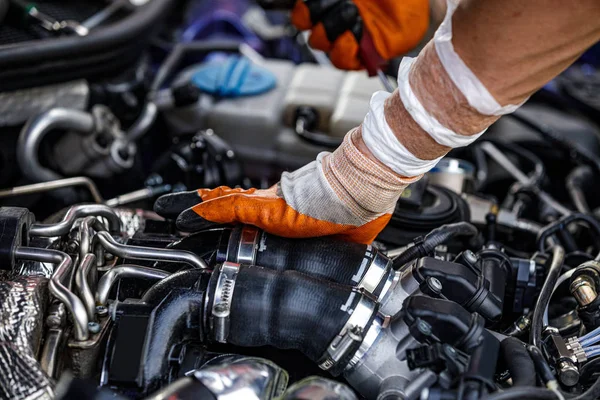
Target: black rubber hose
pixel 519 393
pixel 287 310
pixel 541 366
pixel 562 223
pixel 433 239
pixel 182 279
pixel 593 393
pixel 518 361
pixel 99 40
pixel 537 321
pixel 577 179
pixel 325 258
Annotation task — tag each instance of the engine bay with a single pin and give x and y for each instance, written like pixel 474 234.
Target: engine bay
pixel 485 279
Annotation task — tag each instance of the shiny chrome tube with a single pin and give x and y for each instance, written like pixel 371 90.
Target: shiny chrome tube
pixel 36 129
pixel 58 286
pixel 53 185
pixel 85 234
pixel 125 271
pixel 82 284
pixel 79 211
pixel 149 253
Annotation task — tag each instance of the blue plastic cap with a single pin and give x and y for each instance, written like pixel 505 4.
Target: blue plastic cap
pixel 234 77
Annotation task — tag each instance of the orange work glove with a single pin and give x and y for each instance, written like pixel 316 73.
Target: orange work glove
pixel 395 26
pixel 343 193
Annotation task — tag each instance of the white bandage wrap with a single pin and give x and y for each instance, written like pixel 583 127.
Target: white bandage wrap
pixel 381 141
pixel 426 121
pixel 471 87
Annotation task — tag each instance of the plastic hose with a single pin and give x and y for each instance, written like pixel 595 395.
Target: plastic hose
pixel 287 310
pixel 325 258
pixel 519 362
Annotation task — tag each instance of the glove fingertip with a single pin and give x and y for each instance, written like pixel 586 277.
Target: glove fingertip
pixel 190 221
pixel 170 205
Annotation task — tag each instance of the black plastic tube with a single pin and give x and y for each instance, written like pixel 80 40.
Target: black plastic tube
pixel 519 393
pixel 325 258
pixel 562 223
pixel 541 366
pixel 182 279
pixel 525 392
pixel 287 310
pixel 433 239
pixel 537 321
pixel 518 361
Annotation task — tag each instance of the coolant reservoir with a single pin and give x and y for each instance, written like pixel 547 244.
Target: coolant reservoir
pixel 353 102
pixel 313 86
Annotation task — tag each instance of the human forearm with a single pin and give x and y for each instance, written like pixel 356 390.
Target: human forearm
pixel 513 48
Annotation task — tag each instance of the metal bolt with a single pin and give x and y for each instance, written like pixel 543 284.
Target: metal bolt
pixel 449 350
pixel 470 256
pixel 221 310
pixel 434 284
pixel 101 311
pixel 424 328
pixel 356 333
pixel 93 327
pixel 108 256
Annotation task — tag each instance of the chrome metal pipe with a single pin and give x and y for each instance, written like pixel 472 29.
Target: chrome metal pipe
pixel 36 129
pixel 58 286
pixel 53 185
pixel 136 195
pixel 520 176
pixel 82 284
pixel 85 234
pixel 79 211
pixel 125 271
pixel 149 253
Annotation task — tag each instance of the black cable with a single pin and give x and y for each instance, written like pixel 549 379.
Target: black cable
pixel 426 245
pixel 537 322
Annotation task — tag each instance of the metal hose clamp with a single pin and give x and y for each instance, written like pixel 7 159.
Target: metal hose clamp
pixel 352 333
pixel 246 253
pixel 221 308
pixel 376 272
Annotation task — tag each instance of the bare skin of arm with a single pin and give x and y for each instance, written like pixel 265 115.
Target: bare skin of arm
pixel 514 47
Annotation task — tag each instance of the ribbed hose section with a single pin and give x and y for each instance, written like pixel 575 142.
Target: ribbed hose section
pixel 288 310
pixel 22 304
pixel 324 258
